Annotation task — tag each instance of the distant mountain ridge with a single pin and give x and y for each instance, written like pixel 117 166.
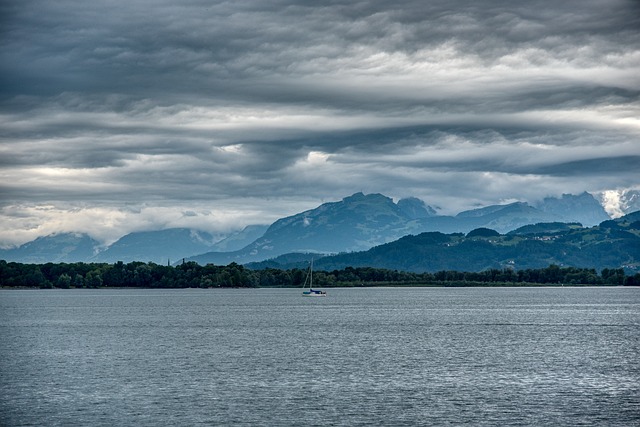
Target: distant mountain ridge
pixel 61 247
pixel 355 223
pixel 159 247
pixel 360 222
pixel 583 208
pixel 173 244
pixel 613 244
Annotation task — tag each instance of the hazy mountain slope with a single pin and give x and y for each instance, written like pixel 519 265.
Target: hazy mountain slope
pixel 503 218
pixel 159 247
pixel 240 239
pixel 354 223
pixel 63 247
pixel 415 208
pixel 360 222
pixel 583 208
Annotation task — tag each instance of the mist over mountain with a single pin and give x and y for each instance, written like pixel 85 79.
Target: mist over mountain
pixel 619 202
pixel 630 201
pixel 239 240
pixel 355 223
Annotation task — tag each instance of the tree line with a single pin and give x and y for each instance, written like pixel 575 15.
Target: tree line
pixel 193 275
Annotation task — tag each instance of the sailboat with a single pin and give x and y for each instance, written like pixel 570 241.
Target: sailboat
pixel 310 292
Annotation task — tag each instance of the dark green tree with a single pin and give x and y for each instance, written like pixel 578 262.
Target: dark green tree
pixel 93 279
pixel 78 281
pixel 64 281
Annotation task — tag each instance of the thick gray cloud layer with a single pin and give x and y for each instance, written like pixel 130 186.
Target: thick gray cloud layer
pixel 117 116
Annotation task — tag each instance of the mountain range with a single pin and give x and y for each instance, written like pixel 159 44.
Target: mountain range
pixel 360 222
pixel 355 223
pixel 160 247
pixel 613 244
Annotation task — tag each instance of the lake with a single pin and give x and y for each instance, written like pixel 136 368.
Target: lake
pixel 361 356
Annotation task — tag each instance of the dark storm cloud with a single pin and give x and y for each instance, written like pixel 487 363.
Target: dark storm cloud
pixel 223 105
pixel 600 166
pixel 237 49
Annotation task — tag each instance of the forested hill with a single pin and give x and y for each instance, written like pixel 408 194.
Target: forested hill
pixel 612 244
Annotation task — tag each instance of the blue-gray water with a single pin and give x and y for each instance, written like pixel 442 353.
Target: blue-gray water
pixel 414 356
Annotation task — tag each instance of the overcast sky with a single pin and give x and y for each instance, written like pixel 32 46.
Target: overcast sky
pixel 117 116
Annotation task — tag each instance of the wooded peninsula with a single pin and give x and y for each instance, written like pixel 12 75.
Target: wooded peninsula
pixel 193 275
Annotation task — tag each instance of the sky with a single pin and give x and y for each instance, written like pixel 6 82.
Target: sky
pixel 121 116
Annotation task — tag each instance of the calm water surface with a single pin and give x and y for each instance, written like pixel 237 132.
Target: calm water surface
pixel 413 356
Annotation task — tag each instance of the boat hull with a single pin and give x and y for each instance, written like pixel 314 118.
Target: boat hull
pixel 314 294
